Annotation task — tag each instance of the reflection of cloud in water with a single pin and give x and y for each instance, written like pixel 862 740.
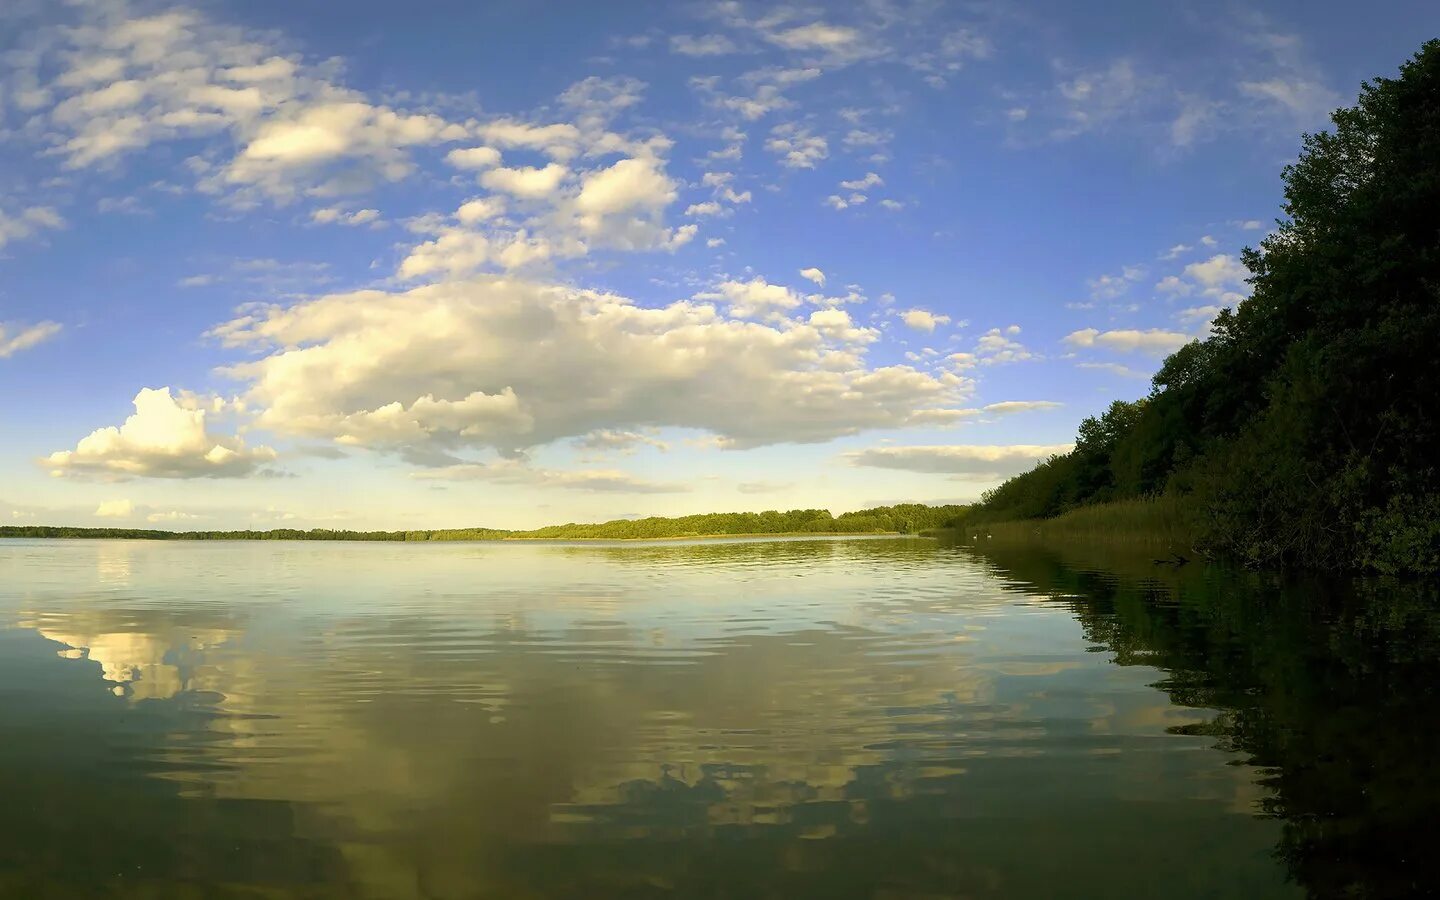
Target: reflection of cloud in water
pixel 420 704
pixel 113 563
pixel 138 664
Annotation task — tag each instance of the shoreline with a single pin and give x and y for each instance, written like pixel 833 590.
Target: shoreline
pixel 180 538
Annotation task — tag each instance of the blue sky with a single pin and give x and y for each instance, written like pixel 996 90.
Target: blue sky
pixel 505 264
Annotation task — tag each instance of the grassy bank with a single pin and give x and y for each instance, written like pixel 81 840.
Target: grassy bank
pixel 1158 521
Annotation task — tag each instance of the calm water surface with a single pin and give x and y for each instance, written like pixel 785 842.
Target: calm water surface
pixel 869 718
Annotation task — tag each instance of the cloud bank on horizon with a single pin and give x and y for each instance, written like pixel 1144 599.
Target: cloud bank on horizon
pixel 259 267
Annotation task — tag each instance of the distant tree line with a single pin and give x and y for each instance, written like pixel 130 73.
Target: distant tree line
pixel 905 518
pixel 1306 428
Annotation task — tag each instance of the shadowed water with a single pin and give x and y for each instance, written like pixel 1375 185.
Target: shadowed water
pixel 859 718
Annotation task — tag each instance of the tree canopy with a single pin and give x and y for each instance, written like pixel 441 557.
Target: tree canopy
pixel 1304 427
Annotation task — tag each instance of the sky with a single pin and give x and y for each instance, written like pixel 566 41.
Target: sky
pixel 507 264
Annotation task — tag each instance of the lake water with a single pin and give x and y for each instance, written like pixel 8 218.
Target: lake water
pixel 817 718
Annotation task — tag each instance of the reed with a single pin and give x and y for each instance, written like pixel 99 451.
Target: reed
pixel 1160 521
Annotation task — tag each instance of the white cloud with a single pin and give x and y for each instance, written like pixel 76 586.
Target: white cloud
pixel 474 158
pixel 702 45
pixel 1112 368
pixel 335 215
pixel 1219 271
pixel 621 206
pixel 756 298
pixel 1198 316
pixel 815 36
pixel 505 471
pixel 1109 287
pixel 618 440
pixel 173 515
pixel 1306 99
pixel 762 487
pixel 997 347
pixel 813 274
pixel 508 364
pixel 1173 284
pixel 708 208
pixel 1175 251
pixel 994 460
pixel 28 223
pixel 923 320
pixel 1006 407
pixel 15 337
pixel 480 209
pixel 165 438
pixel 115 509
pixel 862 184
pixel 1153 340
pixel 107 84
pixel 1093 100
pixel 526 182
pixel 797 147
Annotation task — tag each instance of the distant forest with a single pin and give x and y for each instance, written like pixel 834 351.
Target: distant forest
pixel 906 518
pixel 1305 430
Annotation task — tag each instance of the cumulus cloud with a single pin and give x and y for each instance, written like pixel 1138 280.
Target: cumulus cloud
pixel 1129 340
pixel 813 274
pixel 999 347
pixel 991 460
pixel 165 438
pixel 620 206
pixel 923 320
pixel 509 364
pixel 797 147
pixel 863 184
pixel 474 158
pixel 756 298
pixel 526 182
pixel 1218 272
pixel 115 509
pixel 15 337
pixel 110 82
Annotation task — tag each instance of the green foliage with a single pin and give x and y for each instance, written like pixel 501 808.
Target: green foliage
pixel 1303 428
pixel 1167 522
pixel 905 518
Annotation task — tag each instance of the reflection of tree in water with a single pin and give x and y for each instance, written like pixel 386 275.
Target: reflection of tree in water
pixel 1330 687
pixel 529 738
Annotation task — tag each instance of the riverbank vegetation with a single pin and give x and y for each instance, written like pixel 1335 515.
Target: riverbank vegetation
pixel 1305 430
pixel 1166 521
pixel 905 518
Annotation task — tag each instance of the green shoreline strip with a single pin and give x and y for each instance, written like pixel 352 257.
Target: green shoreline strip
pixel 906 518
